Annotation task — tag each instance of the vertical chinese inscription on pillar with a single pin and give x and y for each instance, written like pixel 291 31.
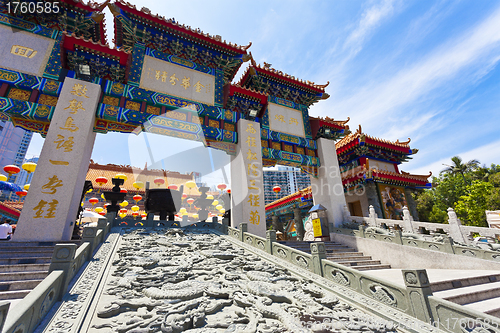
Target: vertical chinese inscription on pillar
pixel 48 204
pixel 254 202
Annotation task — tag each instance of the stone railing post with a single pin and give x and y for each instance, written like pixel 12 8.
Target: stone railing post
pixel 90 235
pixel 455 227
pixel 419 289
pixel 448 245
pixel 362 231
pixel 243 228
pixel 407 221
pixel 346 214
pixel 102 224
pixel 318 252
pixel 110 217
pixel 270 239
pixel 398 237
pixel 63 259
pixel 4 309
pixel 372 217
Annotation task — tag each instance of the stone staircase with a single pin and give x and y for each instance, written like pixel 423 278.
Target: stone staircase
pixel 341 254
pixel 23 265
pixel 480 293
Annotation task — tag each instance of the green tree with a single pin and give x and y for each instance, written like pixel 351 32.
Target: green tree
pixel 458 167
pixel 471 208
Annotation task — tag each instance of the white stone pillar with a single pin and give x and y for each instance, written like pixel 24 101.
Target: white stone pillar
pixel 54 196
pixel 327 189
pixel 455 227
pixel 247 185
pixel 407 221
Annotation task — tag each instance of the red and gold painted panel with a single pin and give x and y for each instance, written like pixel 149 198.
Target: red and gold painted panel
pixel 393 200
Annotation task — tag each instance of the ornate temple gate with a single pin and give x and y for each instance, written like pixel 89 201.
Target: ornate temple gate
pixel 164 78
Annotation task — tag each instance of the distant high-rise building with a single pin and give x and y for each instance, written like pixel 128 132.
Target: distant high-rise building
pixel 14 142
pixel 289 179
pixel 23 177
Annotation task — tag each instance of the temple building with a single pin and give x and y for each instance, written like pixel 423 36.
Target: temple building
pixel 371 176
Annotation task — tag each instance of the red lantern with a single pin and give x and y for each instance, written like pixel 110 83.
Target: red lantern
pixel 228 190
pixel 135 214
pixel 137 197
pixel 184 196
pixel 159 181
pixel 190 200
pixel 11 169
pixel 276 189
pixel 143 215
pixel 93 201
pixel 123 211
pixel 123 190
pixel 21 193
pixel 173 187
pixel 101 180
pixel 102 213
pixel 221 187
pixel 106 205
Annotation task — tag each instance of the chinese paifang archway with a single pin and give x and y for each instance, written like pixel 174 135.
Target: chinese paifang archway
pixel 162 77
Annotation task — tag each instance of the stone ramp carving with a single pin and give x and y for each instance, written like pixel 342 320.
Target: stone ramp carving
pixel 171 280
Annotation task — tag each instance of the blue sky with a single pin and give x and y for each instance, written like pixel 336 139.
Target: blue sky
pixel 427 70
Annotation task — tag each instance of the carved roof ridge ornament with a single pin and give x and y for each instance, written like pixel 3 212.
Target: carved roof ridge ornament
pixel 250 89
pixel 98 43
pixel 336 122
pixel 172 21
pixel 404 143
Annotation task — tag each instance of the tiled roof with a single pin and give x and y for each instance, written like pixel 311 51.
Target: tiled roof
pixel 289 198
pixel 363 137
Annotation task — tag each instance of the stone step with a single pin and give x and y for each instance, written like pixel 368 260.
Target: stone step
pixel 24 267
pixel 345 255
pixel 371 267
pixel 20 276
pixel 354 263
pixel 4 249
pixel 27 260
pixel 16 294
pixel 351 259
pixel 25 254
pixel 464 282
pixel 19 285
pixel 470 294
pixel 490 306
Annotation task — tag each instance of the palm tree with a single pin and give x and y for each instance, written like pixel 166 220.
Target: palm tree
pixel 460 168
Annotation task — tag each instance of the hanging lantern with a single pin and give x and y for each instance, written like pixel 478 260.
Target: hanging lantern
pixel 144 215
pixel 124 203
pixel 123 190
pixel 210 197
pixel 173 187
pixel 184 196
pixel 3 178
pixel 29 167
pixel 276 189
pixel 93 201
pixel 106 205
pixel 122 215
pixel 137 197
pixel 123 211
pixel 195 216
pixel 102 196
pixel 21 193
pixel 102 213
pixel 101 180
pixel 138 184
pixel 190 201
pixel 182 210
pixel 11 169
pixel 218 207
pixel 215 202
pixel 135 214
pixel 222 187
pixel 228 190
pixel 159 181
pixel 99 209
pixel 27 187
pixel 190 184
pixel 90 190
pixel 134 208
pixel 121 176
pixel 222 211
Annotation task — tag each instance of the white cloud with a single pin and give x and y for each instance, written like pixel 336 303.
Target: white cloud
pixel 371 18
